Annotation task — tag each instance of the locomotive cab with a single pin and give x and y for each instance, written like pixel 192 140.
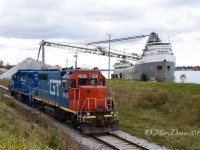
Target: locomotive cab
pixel 95 111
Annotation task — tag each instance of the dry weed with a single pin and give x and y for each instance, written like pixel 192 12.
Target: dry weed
pixel 192 114
pixel 152 99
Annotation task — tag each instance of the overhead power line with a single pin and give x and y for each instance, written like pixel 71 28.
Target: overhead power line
pixel 118 40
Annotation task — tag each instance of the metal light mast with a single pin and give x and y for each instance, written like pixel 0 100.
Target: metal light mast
pixel 43 54
pixel 76 60
pixel 109 57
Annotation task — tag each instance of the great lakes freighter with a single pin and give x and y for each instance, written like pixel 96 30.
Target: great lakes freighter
pixel 157 62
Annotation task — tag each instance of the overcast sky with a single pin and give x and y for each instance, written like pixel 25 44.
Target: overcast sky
pixel 24 23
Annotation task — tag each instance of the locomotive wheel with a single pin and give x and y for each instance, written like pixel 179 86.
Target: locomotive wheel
pixel 12 93
pixel 74 122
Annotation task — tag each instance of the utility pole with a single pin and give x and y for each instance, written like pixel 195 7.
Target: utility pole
pixel 43 54
pixel 109 57
pixel 76 60
pixel 67 63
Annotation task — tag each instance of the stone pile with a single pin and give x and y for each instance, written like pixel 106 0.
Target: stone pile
pixel 28 63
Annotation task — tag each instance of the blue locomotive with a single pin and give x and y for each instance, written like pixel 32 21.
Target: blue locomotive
pixel 78 96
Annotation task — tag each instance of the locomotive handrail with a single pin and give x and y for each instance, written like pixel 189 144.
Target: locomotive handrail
pixel 106 99
pixel 74 99
pixel 88 99
pixel 30 92
pixel 22 89
pixel 76 106
pixel 45 94
pixel 112 94
pixel 109 99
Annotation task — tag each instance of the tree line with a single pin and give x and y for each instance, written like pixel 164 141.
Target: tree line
pixel 195 68
pixel 3 65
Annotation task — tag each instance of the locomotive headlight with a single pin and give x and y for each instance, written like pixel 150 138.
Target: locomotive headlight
pixel 111 112
pixel 88 113
pixel 82 75
pixel 94 75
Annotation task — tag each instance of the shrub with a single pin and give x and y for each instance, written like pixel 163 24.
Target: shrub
pixel 5 82
pixel 10 103
pixel 53 139
pixel 152 98
pixel 192 115
pixel 166 108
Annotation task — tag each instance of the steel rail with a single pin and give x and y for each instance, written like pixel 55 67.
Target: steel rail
pixel 129 142
pixel 116 146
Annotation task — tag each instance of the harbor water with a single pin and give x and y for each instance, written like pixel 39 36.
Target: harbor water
pixel 191 76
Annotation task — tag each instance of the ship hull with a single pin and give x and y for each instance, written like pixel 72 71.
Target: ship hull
pixel 162 71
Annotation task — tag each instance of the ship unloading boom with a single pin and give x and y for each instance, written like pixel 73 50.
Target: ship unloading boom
pixel 92 49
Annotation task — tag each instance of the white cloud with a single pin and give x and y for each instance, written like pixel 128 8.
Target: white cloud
pixel 24 23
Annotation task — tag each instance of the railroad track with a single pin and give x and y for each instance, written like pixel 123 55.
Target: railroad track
pixel 117 143
pixel 3 90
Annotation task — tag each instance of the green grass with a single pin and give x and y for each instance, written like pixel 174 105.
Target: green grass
pixel 20 129
pixel 161 107
pixel 5 82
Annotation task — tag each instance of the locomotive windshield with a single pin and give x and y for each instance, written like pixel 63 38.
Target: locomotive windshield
pixel 84 82
pixel 87 82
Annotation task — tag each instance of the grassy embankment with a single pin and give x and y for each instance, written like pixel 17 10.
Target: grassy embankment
pixel 163 107
pixel 20 129
pixel 5 82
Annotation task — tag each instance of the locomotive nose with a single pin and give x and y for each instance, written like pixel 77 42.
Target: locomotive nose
pixel 100 121
pixel 98 92
pixel 93 97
